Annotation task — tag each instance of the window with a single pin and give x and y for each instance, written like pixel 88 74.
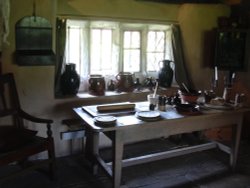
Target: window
pixel 155 49
pixel 101 51
pixel 131 51
pixel 109 47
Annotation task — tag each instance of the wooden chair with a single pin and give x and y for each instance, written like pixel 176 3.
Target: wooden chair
pixel 17 142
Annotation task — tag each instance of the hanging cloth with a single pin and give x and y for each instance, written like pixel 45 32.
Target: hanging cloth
pixel 181 73
pixel 4 22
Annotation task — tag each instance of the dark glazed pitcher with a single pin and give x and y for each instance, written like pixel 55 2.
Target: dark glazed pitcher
pixel 165 74
pixel 125 82
pixel 70 80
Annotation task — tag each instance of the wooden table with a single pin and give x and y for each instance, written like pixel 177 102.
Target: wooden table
pixel 129 128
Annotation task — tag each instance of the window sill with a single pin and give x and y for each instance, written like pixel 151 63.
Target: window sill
pixel 84 98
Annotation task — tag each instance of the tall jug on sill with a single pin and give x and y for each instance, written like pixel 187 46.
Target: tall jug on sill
pixel 165 74
pixel 70 80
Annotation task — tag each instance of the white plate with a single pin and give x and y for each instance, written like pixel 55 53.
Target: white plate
pixel 148 115
pixel 105 119
pixel 219 107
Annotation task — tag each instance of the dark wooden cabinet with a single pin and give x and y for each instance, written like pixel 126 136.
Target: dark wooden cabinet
pixel 232 49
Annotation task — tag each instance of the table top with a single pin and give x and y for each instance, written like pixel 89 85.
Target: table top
pixel 127 119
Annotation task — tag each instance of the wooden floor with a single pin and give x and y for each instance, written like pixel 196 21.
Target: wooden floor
pixel 207 169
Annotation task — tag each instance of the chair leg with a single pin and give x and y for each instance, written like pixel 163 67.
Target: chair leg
pixel 52 164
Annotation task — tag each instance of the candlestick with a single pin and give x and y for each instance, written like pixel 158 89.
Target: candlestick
pixel 214 83
pixel 233 75
pixel 233 78
pixel 215 73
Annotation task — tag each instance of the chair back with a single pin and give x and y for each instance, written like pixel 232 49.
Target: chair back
pixel 9 100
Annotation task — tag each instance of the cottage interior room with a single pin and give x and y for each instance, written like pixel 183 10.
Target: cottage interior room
pixel 36 80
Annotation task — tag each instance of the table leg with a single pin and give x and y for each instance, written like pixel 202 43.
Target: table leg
pixel 92 148
pixel 236 129
pixel 117 150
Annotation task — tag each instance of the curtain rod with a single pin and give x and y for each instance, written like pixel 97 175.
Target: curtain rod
pixel 91 17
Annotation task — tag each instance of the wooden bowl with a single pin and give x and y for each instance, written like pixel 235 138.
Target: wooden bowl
pixel 189 97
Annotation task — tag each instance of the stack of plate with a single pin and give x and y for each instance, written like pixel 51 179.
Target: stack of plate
pixel 148 115
pixel 105 120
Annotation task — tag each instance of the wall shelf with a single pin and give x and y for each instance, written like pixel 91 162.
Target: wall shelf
pixel 34 41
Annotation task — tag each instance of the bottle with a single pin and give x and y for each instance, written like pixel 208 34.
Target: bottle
pixel 150 83
pixel 137 84
pixel 70 80
pixel 111 86
pixel 170 100
pixel 201 99
pixel 162 103
pixel 176 99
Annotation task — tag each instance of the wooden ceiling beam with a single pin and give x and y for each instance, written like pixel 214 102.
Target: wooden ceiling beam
pixel 185 1
pixel 229 2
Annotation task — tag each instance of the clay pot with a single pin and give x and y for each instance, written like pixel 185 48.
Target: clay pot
pixel 96 84
pixel 125 82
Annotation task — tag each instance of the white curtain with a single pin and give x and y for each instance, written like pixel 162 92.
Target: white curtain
pixel 78 37
pixel 82 58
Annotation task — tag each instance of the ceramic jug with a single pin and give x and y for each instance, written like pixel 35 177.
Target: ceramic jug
pixel 165 74
pixel 96 84
pixel 125 82
pixel 70 80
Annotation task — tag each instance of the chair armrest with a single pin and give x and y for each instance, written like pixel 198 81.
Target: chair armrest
pixel 33 118
pixel 4 113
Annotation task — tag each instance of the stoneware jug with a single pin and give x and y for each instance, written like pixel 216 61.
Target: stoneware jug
pixel 96 84
pixel 70 80
pixel 165 74
pixel 125 82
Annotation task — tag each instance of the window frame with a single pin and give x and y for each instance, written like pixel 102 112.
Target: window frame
pixel 122 49
pixel 146 47
pixel 122 26
pixel 91 48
